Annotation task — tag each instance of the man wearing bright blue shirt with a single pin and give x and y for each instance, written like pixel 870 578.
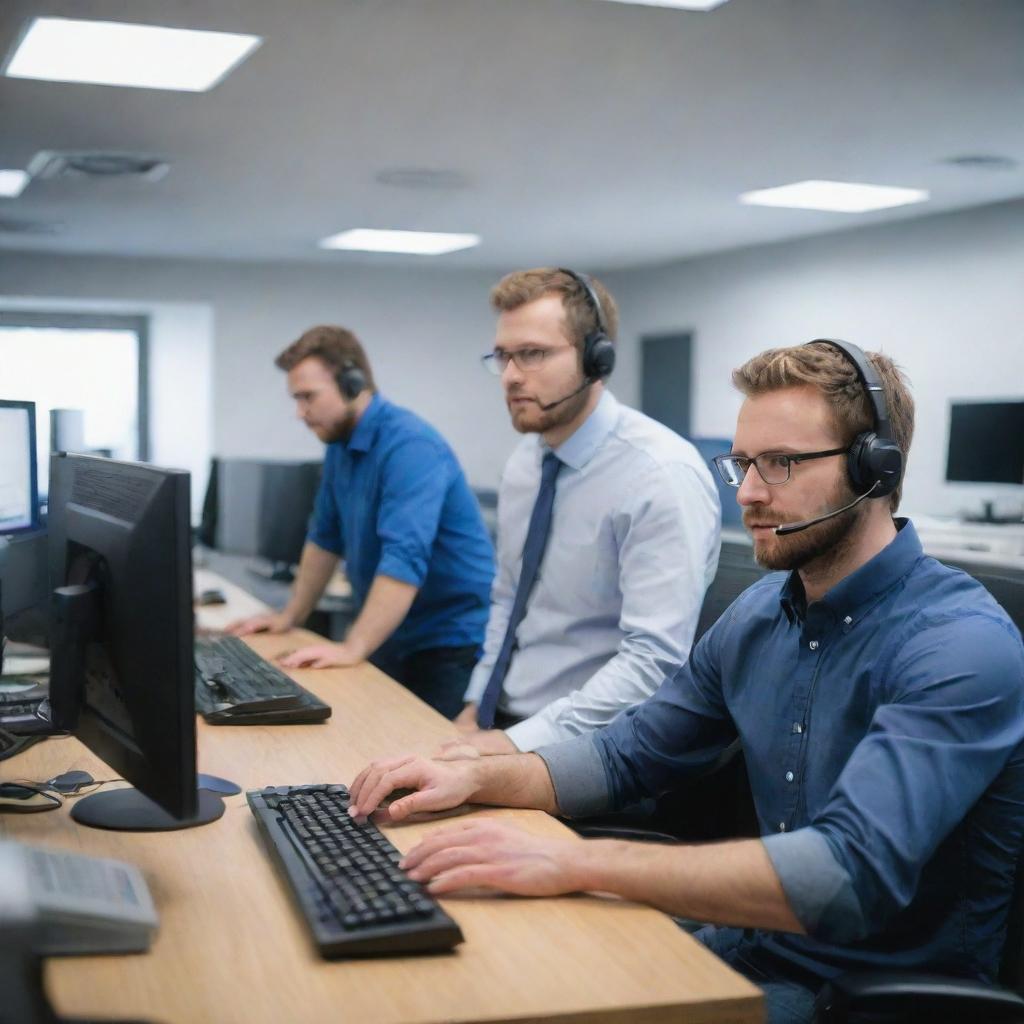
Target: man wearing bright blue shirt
pixel 879 699
pixel 395 505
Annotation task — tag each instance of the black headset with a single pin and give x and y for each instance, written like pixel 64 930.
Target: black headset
pixel 598 349
pixel 351 380
pixel 874 461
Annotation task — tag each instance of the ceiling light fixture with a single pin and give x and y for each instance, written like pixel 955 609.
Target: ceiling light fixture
pixel 682 5
pixel 12 183
pixel 416 243
pixel 834 196
pixel 138 56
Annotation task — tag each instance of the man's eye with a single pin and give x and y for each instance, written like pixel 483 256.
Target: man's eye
pixel 531 355
pixel 778 461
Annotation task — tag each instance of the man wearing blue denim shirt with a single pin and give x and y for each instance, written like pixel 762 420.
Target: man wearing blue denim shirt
pixel 879 699
pixel 394 503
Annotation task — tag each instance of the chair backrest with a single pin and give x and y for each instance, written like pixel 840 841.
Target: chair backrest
pixel 1006 585
pixel 737 570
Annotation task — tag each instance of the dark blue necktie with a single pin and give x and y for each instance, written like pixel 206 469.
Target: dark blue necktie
pixel 533 552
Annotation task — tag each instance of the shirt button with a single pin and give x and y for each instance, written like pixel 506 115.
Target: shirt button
pixel 797 728
pixel 782 826
pixel 789 776
pixel 813 645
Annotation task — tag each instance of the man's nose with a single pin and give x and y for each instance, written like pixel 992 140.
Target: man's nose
pixel 752 490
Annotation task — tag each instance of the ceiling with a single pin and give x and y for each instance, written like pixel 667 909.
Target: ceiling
pixel 595 134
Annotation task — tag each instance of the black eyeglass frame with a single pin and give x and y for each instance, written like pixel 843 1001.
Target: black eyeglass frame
pixel 496 361
pixel 720 460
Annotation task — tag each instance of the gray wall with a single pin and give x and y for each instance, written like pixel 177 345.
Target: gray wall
pixel 943 296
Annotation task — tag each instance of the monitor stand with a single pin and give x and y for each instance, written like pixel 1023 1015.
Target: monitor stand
pixel 128 810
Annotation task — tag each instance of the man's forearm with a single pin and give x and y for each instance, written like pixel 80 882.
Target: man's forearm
pixel 730 883
pixel 384 610
pixel 513 780
pixel 316 567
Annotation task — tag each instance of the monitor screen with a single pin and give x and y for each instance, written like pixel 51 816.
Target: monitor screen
pixel 986 443
pixel 122 673
pixel 260 508
pixel 18 496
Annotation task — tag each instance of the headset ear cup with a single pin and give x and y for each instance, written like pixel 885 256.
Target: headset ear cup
pixel 856 462
pixel 598 356
pixel 351 381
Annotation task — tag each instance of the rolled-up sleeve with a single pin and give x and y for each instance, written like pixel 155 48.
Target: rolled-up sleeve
pixel 955 718
pixel 415 480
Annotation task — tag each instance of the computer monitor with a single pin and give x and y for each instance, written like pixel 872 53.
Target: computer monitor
pixel 19 497
pixel 24 592
pixel 986 442
pixel 121 652
pixel 261 509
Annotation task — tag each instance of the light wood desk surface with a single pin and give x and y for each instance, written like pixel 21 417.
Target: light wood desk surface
pixel 232 948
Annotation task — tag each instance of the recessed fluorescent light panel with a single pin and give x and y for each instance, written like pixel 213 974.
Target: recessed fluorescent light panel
pixel 417 243
pixel 837 196
pixel 682 5
pixel 140 56
pixel 12 183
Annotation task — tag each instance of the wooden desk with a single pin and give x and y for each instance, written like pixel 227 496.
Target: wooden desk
pixel 231 948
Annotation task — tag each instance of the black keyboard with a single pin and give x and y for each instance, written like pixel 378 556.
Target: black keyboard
pixel 345 876
pixel 235 686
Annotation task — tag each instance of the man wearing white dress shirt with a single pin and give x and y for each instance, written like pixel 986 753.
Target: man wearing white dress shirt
pixel 605 554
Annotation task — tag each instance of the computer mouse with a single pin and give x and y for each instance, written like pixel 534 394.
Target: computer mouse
pixel 211 597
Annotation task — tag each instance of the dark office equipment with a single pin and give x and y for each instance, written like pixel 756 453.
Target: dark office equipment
pixel 986 445
pixel 211 597
pixel 11 743
pixel 121 663
pixel 67 430
pixel 235 686
pixel 19 485
pixel 260 509
pixel 24 590
pixel 709 447
pixel 345 876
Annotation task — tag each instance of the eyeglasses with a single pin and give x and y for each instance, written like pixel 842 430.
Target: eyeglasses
pixel 526 359
pixel 773 467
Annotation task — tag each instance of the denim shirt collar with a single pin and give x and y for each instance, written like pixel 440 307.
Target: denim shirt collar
pixel 858 591
pixel 366 429
pixel 578 449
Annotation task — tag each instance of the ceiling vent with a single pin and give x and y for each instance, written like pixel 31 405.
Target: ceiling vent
pixel 9 226
pixel 422 178
pixel 49 164
pixel 982 162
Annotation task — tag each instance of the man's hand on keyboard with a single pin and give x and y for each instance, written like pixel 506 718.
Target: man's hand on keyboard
pixel 438 786
pixel 495 855
pixel 322 656
pixel 268 622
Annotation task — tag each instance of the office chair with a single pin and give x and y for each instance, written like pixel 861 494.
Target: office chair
pixel 895 997
pixel 721 805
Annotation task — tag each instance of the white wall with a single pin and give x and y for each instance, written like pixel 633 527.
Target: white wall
pixel 943 296
pixel 216 328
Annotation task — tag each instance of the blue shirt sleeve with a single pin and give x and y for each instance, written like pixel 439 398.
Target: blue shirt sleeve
pixel 325 527
pixel 415 481
pixel 954 717
pixel 681 730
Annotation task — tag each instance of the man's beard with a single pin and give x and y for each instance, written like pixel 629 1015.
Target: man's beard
pixel 823 543
pixel 533 419
pixel 341 429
